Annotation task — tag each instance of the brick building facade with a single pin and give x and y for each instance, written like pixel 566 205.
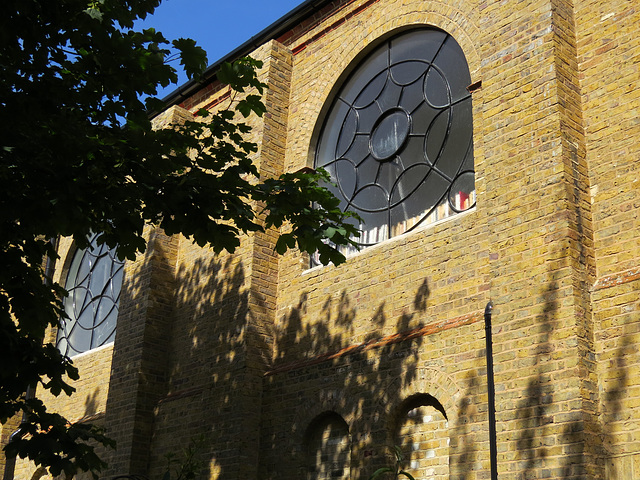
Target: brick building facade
pixel 297 372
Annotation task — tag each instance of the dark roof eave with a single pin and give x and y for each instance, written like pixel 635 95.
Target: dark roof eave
pixel 275 30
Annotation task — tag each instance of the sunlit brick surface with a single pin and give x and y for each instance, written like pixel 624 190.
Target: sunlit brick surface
pixel 248 349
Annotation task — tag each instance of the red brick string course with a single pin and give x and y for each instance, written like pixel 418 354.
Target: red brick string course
pixel 297 49
pixel 429 329
pixel 620 278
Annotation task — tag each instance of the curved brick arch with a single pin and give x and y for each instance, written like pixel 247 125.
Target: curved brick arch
pixel 384 405
pixel 415 14
pixel 66 250
pixel 339 451
pixel 328 402
pixel 429 380
pixel 306 416
pixel 383 22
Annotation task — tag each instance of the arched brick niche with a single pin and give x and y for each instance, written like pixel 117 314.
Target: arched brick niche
pixel 421 430
pixel 327 448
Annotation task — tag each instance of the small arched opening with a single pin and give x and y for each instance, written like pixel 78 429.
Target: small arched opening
pixel 422 432
pixel 328 448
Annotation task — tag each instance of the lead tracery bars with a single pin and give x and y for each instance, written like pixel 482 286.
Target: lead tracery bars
pixel 94 282
pixel 398 139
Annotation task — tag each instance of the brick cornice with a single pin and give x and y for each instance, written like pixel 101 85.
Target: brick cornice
pixel 339 21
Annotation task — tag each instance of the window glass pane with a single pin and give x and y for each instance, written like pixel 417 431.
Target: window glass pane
pixel 420 44
pixel 421 119
pixel 369 69
pixel 83 268
pixel 413 153
pixel 79 333
pixel 331 131
pixel 389 134
pixel 346 175
pixel 412 96
pixel 367 118
pixel 371 91
pixel 388 174
pixel 408 183
pixel 359 149
pixel 375 227
pixel 462 193
pixel 403 119
pixel 437 135
pixel 100 274
pixel 456 72
pixel 454 153
pixel 371 198
pixel 347 133
pixel 94 282
pixel 390 96
pixel 436 89
pixel 406 73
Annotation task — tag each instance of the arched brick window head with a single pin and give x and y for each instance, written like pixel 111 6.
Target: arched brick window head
pixel 422 434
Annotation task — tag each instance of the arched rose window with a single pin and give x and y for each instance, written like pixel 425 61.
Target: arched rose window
pixel 398 138
pixel 93 282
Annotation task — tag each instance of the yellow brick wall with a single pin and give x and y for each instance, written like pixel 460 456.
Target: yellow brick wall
pixel 609 57
pixel 609 66
pixel 89 399
pixel 526 246
pixel 248 349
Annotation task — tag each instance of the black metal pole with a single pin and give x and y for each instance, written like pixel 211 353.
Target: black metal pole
pixel 491 392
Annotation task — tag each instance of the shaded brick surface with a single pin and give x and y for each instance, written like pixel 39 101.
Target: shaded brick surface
pixel 251 347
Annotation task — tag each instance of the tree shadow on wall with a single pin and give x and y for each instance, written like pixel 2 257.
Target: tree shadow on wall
pixel 532 412
pixel 208 348
pixel 178 366
pixel 138 368
pixel 559 434
pixel 332 360
pixel 207 369
pixel 464 451
pixel 613 415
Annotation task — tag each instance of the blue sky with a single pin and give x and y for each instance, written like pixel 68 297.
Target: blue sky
pixel 218 26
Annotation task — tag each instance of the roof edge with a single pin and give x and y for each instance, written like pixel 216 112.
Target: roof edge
pixel 273 31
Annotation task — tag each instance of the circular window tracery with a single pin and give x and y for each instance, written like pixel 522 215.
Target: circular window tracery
pixel 398 138
pixel 94 282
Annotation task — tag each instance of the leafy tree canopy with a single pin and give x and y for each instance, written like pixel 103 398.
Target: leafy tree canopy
pixel 78 154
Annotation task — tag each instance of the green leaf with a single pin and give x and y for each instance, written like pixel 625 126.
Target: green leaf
pixel 406 474
pixel 398 453
pixel 192 57
pixel 380 471
pixel 226 73
pixel 94 13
